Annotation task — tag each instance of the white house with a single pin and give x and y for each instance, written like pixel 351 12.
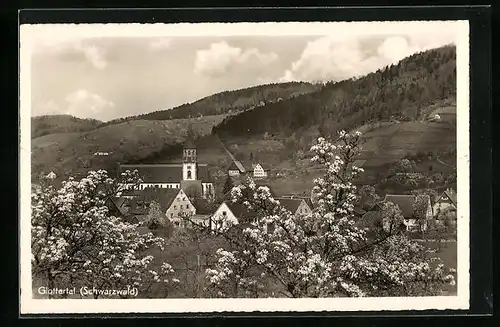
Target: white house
pixel 236 169
pixel 405 204
pixel 173 202
pixel 297 206
pixel 229 211
pixel 447 200
pixel 259 171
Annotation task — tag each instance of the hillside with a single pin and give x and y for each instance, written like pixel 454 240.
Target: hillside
pixel 229 101
pixel 392 107
pixel 74 153
pixel 397 92
pixel 50 124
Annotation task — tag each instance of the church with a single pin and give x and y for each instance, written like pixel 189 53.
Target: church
pixel 189 175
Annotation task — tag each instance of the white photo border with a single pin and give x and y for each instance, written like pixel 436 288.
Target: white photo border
pixel 28 305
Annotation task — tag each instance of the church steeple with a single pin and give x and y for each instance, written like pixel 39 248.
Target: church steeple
pixel 189 166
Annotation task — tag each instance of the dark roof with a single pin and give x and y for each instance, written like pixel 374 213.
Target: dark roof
pixel 131 192
pixel 290 204
pixel 116 203
pixel 203 174
pixel 166 173
pixel 189 144
pixel 405 203
pixel 239 210
pixel 240 166
pixel 202 207
pixel 164 196
pixel 234 167
pixel 452 195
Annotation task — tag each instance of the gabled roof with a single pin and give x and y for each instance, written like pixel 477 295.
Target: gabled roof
pixel 164 196
pixel 452 195
pixel 118 204
pixel 233 167
pixel 261 165
pixel 239 210
pixel 290 204
pixel 405 203
pixel 240 166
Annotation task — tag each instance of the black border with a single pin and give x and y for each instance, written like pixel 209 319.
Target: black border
pixel 480 128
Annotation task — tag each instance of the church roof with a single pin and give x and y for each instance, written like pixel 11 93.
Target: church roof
pixel 166 173
pixel 189 144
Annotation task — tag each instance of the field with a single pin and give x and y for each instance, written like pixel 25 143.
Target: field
pixel 131 140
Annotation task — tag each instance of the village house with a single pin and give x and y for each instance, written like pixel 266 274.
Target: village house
pixel 296 206
pixel 258 171
pixel 236 169
pixel 189 175
pixel 118 206
pixel 230 211
pixel 238 213
pixel 405 204
pixel 446 201
pixel 203 213
pixel 174 204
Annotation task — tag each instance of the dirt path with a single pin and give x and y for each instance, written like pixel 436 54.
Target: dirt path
pixel 225 148
pixel 444 163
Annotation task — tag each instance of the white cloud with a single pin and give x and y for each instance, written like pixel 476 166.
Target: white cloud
pixel 334 58
pixel 160 44
pixel 221 58
pixel 94 54
pixel 85 104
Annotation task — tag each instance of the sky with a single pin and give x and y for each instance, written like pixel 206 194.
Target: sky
pixel 110 76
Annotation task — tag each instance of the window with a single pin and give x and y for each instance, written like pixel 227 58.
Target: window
pixel 171 215
pixel 224 213
pixel 181 206
pixel 175 207
pixel 189 174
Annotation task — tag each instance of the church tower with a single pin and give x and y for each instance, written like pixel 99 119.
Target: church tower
pixel 190 162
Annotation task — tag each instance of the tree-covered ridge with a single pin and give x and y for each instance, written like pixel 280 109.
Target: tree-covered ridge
pixel 395 92
pixel 228 101
pixel 51 124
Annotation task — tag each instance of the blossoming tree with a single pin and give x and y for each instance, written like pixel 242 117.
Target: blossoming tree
pixel 76 241
pixel 324 253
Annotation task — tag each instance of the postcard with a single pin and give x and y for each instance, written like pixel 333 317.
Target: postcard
pixel 242 167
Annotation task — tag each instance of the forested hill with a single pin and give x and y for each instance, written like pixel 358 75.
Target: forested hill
pixel 228 101
pixel 397 92
pixel 50 124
